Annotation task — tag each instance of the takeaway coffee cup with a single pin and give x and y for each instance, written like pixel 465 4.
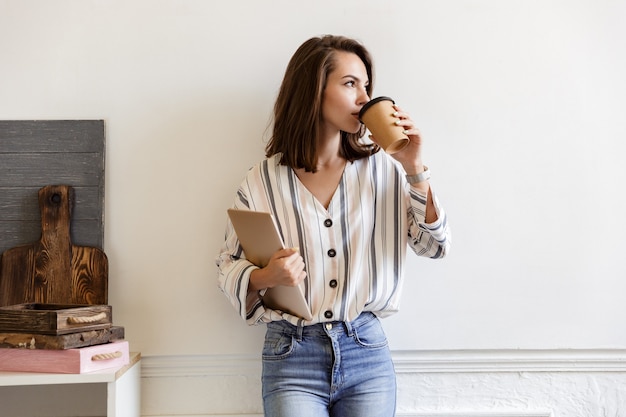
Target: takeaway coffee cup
pixel 377 115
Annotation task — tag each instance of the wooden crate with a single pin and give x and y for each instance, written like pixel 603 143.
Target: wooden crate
pixel 55 319
pixel 64 341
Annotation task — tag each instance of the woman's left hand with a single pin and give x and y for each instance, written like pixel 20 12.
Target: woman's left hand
pixel 411 159
pixel 411 155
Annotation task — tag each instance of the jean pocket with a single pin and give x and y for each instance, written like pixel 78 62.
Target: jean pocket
pixel 371 335
pixel 277 346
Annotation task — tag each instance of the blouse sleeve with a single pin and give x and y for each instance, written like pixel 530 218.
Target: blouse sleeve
pixel 234 270
pixel 234 273
pixel 234 276
pixel 430 240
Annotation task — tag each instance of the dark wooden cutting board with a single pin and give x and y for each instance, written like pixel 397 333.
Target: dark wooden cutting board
pixel 53 270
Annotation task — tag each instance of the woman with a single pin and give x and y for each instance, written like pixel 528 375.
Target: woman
pixel 347 212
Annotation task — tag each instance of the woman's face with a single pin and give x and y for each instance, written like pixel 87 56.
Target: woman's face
pixel 345 94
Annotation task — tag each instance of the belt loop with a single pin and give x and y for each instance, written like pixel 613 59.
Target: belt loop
pixel 299 330
pixel 348 327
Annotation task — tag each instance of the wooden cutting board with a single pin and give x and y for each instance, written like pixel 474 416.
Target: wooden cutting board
pixel 53 270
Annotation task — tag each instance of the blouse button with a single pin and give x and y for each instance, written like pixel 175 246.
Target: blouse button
pixel 328 314
pixel 333 283
pixel 328 222
pixel 332 253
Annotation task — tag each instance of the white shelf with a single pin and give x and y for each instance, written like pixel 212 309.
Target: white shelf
pixel 120 393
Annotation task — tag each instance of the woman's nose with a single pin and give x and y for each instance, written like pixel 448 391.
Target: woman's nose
pixel 363 97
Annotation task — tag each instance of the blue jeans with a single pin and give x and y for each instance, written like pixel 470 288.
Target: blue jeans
pixel 335 369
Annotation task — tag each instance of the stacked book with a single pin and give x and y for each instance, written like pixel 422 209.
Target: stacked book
pixel 38 337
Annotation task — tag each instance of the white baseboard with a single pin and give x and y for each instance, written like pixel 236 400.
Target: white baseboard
pixel 562 360
pixel 514 360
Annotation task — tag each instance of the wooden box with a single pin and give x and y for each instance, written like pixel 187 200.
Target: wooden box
pixel 68 361
pixel 54 319
pixel 63 341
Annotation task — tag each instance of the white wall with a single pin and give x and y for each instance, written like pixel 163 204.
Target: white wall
pixel 521 103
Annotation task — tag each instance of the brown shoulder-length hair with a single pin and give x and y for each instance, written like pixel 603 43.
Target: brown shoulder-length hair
pixel 298 107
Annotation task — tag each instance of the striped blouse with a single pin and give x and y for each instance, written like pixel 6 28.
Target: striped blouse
pixel 354 251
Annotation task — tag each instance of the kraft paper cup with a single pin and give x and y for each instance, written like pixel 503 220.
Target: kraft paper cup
pixel 377 115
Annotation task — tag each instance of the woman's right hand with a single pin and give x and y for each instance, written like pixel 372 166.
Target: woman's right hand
pixel 285 267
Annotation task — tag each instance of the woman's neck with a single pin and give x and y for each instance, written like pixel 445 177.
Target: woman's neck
pixel 328 152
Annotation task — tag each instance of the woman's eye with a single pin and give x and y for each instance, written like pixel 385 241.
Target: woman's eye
pixel 350 84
